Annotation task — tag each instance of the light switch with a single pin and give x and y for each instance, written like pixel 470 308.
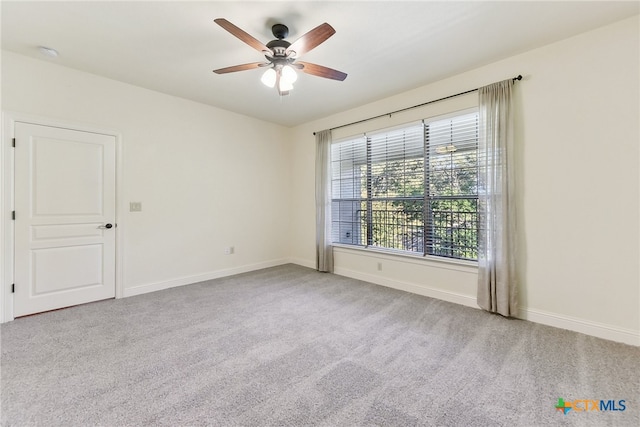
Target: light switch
pixel 135 206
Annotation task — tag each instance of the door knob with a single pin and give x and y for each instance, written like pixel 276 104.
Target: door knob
pixel 106 226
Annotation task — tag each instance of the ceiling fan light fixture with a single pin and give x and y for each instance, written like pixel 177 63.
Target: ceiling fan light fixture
pixel 285 85
pixel 289 74
pixel 269 77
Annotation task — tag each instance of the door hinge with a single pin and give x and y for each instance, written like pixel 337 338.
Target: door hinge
pixel 13 144
pixel 13 215
pixel 13 288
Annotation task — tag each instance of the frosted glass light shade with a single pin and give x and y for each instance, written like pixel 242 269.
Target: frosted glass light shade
pixel 289 74
pixel 269 77
pixel 285 85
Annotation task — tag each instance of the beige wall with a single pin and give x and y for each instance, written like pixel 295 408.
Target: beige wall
pixel 192 166
pixel 578 184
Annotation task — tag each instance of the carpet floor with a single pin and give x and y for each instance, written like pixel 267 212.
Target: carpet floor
pixel 288 346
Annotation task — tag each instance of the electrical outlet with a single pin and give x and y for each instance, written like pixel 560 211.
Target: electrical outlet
pixel 135 206
pixel 229 250
pixel 379 266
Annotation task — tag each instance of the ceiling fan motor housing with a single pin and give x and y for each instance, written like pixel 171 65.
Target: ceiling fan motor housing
pixel 278 47
pixel 280 31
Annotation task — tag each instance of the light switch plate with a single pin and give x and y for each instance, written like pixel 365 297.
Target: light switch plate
pixel 135 206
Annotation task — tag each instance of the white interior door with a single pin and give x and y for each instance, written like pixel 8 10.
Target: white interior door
pixel 65 218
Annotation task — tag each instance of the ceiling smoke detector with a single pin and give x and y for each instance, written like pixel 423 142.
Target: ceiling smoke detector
pixel 47 51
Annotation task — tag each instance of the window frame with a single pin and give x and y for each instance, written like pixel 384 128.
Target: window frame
pixel 426 197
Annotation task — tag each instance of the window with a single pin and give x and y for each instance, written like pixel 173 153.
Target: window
pixel 412 188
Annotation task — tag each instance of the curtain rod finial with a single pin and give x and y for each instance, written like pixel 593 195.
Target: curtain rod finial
pixel 518 78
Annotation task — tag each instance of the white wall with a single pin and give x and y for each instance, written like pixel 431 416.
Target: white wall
pixel 207 178
pixel 578 178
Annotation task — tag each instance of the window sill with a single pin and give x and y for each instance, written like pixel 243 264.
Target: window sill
pixel 428 260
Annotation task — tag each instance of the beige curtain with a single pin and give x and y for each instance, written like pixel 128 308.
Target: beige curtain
pixel 324 252
pixel 496 203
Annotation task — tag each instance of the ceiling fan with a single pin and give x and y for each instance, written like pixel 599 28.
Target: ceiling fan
pixel 282 56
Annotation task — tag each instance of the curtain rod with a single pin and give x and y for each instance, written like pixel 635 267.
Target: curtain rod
pixel 519 77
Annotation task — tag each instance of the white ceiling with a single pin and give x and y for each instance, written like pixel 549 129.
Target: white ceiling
pixel 385 47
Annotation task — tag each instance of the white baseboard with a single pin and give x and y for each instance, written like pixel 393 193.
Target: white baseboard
pixel 599 330
pixel 410 287
pixel 302 262
pixel 587 327
pixel 189 280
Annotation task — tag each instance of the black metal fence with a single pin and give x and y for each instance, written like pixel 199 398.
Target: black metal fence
pixel 448 228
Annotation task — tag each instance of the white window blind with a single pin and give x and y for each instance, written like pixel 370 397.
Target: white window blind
pixel 451 226
pixel 348 176
pixel 412 188
pixel 395 202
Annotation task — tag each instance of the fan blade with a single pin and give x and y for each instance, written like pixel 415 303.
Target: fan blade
pixel 311 39
pixel 242 67
pixel 321 71
pixel 242 35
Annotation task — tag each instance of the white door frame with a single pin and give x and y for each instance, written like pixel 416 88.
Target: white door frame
pixel 7 190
